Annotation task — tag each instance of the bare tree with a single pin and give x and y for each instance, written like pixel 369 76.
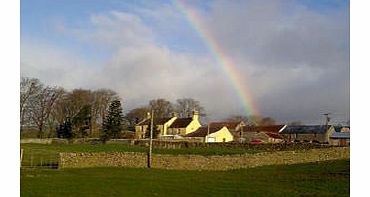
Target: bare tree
pixel 29 87
pixel 102 98
pixel 267 121
pixel 238 118
pixel 260 120
pixel 162 108
pixel 71 104
pixel 253 119
pixel 185 107
pixel 136 115
pixel 42 105
pixel 60 110
pixel 77 99
pixel 49 107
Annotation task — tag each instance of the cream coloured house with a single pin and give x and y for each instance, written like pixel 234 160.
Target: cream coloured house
pixel 183 126
pixel 212 134
pixel 162 125
pixel 169 126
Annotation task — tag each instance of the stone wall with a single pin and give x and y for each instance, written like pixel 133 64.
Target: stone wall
pixel 198 162
pixel 174 144
pixel 36 141
pixel 61 141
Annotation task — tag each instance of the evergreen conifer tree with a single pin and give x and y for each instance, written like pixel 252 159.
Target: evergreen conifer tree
pixel 112 124
pixel 65 129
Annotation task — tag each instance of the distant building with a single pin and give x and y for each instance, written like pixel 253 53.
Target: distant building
pixel 342 129
pixel 168 126
pixel 266 134
pixel 183 126
pixel 235 128
pixel 341 136
pixel 211 134
pixel 308 133
pixel 161 126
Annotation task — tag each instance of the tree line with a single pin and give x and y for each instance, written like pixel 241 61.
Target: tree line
pixel 56 112
pixel 163 108
pixel 48 107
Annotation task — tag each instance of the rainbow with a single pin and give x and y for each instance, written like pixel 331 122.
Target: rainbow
pixel 226 63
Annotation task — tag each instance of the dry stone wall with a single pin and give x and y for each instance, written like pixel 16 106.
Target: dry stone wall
pixel 198 162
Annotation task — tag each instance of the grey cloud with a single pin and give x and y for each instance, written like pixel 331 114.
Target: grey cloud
pixel 294 60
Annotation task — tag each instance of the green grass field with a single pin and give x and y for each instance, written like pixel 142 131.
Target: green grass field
pixel 48 153
pixel 329 178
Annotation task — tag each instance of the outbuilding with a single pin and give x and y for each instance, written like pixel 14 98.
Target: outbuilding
pixel 212 134
pixel 340 139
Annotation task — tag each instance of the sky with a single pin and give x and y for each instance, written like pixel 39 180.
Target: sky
pixel 290 59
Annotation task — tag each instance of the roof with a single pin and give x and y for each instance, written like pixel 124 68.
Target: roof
pixel 306 129
pixel 339 128
pixel 229 125
pixel 274 135
pixel 268 128
pixel 203 131
pixel 158 121
pixel 181 122
pixel 339 135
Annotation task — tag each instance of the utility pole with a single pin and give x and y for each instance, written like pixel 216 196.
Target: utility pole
pixel 151 139
pixel 241 133
pixel 327 119
pixel 207 132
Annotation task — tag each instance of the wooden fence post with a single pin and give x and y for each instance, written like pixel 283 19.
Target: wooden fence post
pixel 21 157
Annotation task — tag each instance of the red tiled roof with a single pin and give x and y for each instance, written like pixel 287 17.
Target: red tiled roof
pixel 274 135
pixel 268 128
pixel 203 131
pixel 229 125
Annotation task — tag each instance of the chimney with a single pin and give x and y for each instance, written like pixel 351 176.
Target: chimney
pixel 148 115
pixel 173 114
pixel 195 115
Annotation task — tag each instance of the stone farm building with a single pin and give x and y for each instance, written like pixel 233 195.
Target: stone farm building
pixel 267 134
pixel 341 137
pixel 308 133
pixel 211 134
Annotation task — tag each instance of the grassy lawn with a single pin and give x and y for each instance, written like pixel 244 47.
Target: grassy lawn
pixel 48 153
pixel 37 154
pixel 330 178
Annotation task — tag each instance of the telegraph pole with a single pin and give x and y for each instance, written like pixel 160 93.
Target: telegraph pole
pixel 151 139
pixel 327 119
pixel 207 132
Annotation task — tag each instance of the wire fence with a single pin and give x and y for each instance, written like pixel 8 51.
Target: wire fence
pixel 37 159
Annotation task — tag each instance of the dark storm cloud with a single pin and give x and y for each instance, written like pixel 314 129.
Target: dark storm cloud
pixel 294 59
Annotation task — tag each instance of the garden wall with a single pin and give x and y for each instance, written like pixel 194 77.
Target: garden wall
pixel 198 162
